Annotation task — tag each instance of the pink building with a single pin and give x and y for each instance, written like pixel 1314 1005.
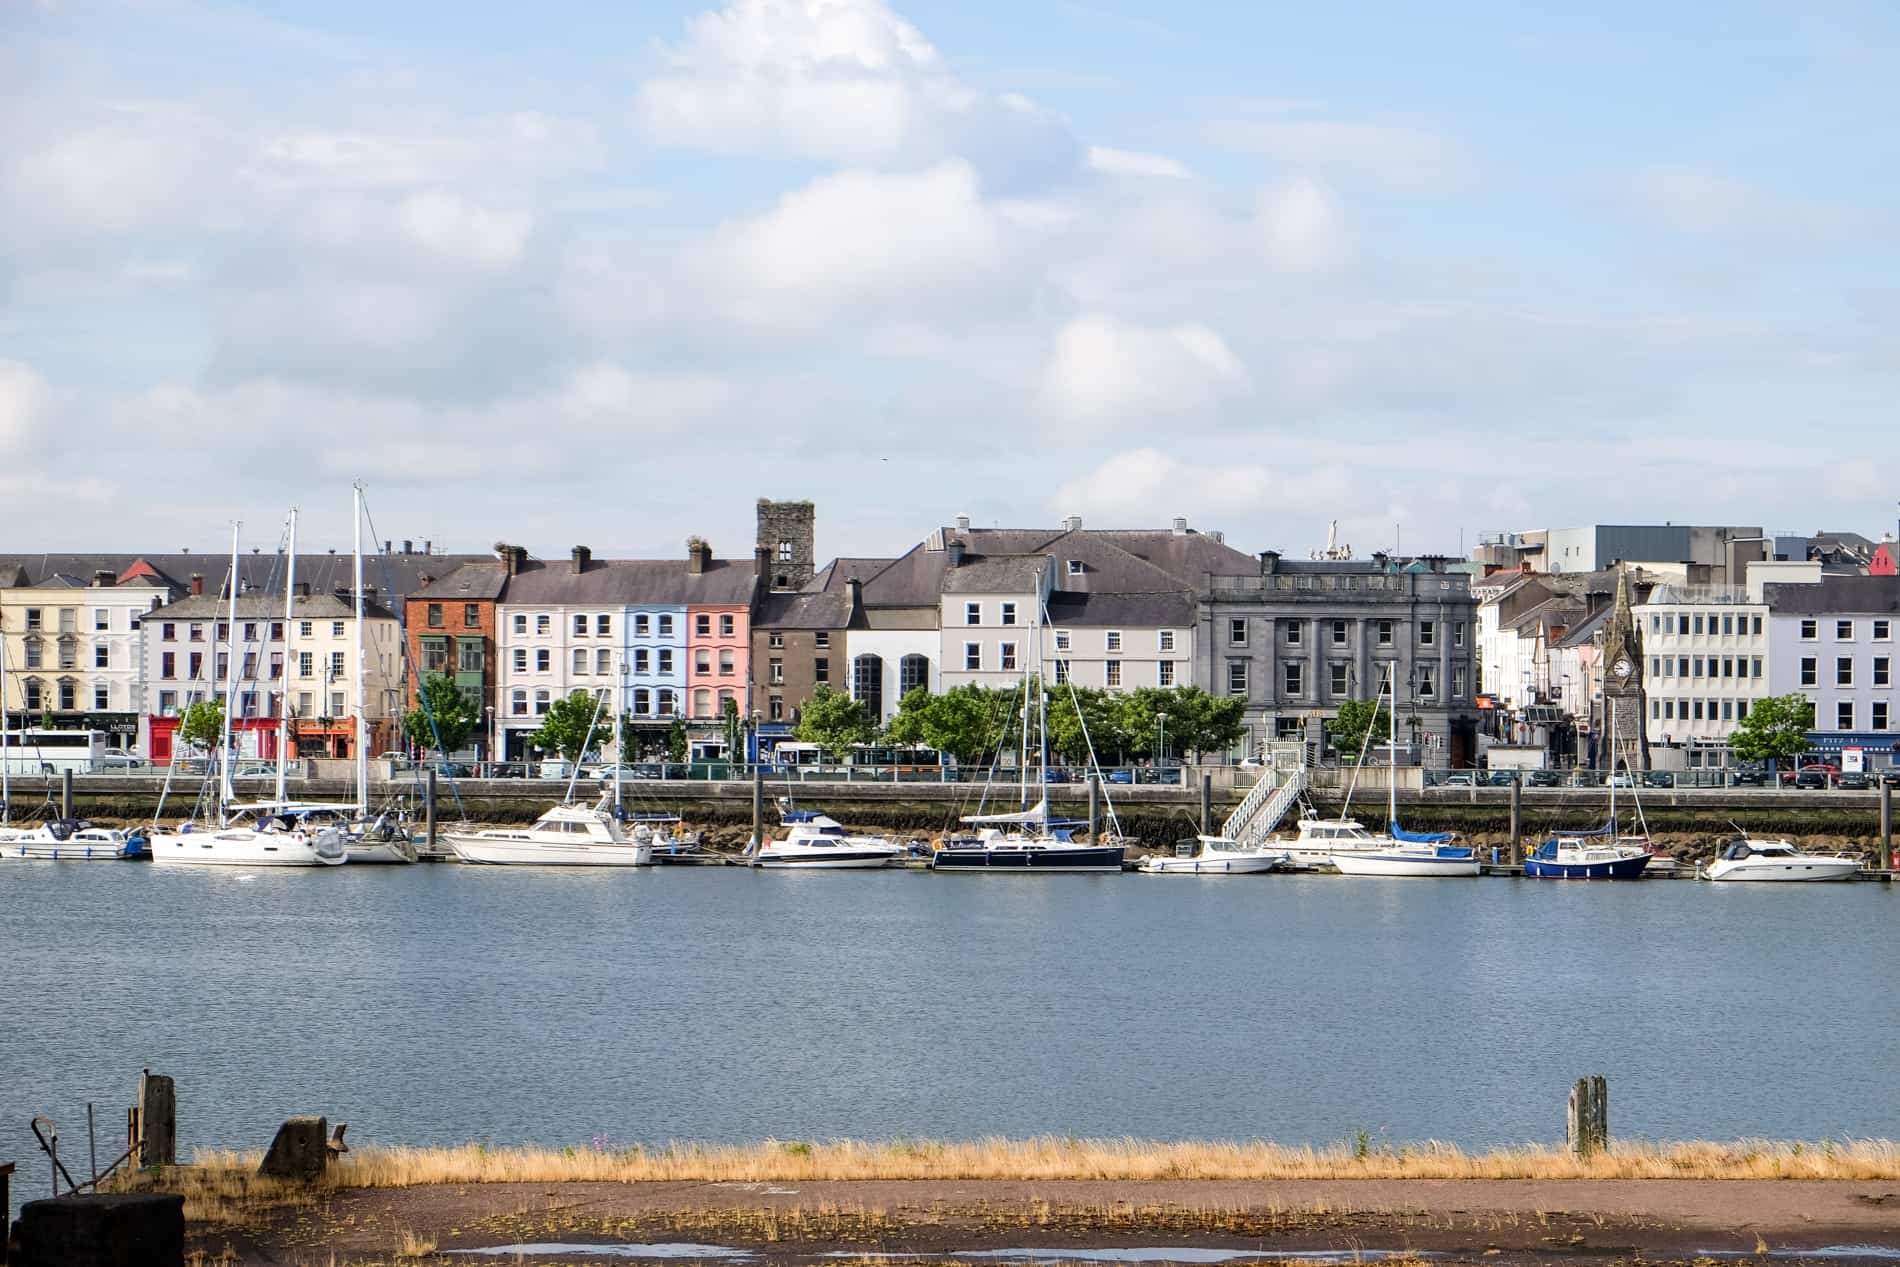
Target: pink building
pixel 718 596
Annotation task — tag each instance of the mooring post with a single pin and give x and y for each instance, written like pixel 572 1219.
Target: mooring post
pixel 1587 1125
pixel 1886 824
pixel 758 803
pixel 158 1120
pixel 1095 809
pixel 428 811
pixel 6 1208
pixel 65 793
pixel 1207 802
pixel 1517 818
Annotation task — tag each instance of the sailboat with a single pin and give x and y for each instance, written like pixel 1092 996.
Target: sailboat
pixel 378 839
pixel 263 835
pixel 1595 854
pixel 1411 853
pixel 1027 840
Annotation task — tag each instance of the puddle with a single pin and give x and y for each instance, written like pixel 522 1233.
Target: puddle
pixel 663 1249
pixel 1885 1253
pixel 1158 1254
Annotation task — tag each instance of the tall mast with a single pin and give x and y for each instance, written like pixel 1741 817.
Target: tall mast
pixel 1612 712
pixel 620 704
pixel 1042 704
pixel 6 787
pixel 1391 746
pixel 230 671
pixel 362 717
pixel 283 694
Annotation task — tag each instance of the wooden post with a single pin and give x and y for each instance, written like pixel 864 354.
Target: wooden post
pixel 158 1120
pixel 1886 823
pixel 1207 802
pixel 428 811
pixel 758 803
pixel 1588 1122
pixel 1517 818
pixel 1095 809
pixel 65 793
pixel 6 1210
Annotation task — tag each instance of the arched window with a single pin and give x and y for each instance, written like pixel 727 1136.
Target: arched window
pixel 702 703
pixel 642 701
pixel 867 685
pixel 913 671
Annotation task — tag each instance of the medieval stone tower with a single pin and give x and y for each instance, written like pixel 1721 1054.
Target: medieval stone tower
pixel 786 542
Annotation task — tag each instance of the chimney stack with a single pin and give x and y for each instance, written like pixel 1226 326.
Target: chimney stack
pixel 104 579
pixel 1269 562
pixel 582 556
pixel 197 583
pixel 1180 525
pixel 303 589
pixel 1072 523
pixel 386 547
pixel 953 551
pixel 408 547
pixel 762 561
pixel 369 594
pixel 698 555
pixel 963 523
pixel 854 590
pixel 511 557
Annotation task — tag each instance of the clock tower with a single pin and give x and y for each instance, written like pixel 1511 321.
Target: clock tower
pixel 1622 664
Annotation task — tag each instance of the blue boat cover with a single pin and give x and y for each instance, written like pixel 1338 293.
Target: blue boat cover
pixel 1421 837
pixel 798 816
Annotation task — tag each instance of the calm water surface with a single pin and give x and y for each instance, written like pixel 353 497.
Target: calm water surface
pixel 438 1004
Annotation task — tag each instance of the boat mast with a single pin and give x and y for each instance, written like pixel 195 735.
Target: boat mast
pixel 1612 713
pixel 230 673
pixel 6 787
pixel 1042 702
pixel 283 700
pixel 1391 747
pixel 620 758
pixel 362 718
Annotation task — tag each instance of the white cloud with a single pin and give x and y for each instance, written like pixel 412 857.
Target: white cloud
pixel 1114 162
pixel 1102 370
pixel 1304 227
pixel 604 390
pixel 1147 486
pixel 1397 156
pixel 452 226
pixel 1695 199
pixel 23 398
pixel 846 80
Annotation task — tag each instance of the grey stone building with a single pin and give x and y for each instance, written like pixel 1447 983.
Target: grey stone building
pixel 1296 638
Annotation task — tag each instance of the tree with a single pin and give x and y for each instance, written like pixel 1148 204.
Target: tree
pixel 735 730
pixel 676 740
pixel 1197 723
pixel 567 725
pixel 1358 718
pixel 1085 718
pixel 1776 728
pixel 964 723
pixel 833 721
pixel 440 700
pixel 201 725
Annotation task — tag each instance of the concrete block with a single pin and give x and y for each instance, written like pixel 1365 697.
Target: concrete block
pixel 300 1151
pixel 128 1229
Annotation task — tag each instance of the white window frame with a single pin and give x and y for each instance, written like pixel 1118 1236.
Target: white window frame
pixel 972 657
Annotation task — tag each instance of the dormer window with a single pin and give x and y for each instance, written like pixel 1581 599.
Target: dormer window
pixel 1075 567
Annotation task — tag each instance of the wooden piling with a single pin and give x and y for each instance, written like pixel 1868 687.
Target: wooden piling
pixel 758 803
pixel 1588 1122
pixel 65 793
pixel 6 1208
pixel 1095 809
pixel 428 812
pixel 1517 818
pixel 158 1120
pixel 1886 824
pixel 1207 803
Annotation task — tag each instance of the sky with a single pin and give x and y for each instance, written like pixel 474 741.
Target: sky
pixel 604 274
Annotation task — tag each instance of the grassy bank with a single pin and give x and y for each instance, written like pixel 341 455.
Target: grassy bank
pixel 1050 1158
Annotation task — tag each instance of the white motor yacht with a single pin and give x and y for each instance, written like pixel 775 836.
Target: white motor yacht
pixel 565 836
pixel 818 842
pixel 252 840
pixel 1319 839
pixel 69 840
pixel 1215 855
pixel 1749 859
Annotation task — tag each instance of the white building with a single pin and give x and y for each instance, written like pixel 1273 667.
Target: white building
pixel 1833 641
pixel 1706 654
pixel 74 654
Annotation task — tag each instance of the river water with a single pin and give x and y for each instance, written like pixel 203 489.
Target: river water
pixel 443 1004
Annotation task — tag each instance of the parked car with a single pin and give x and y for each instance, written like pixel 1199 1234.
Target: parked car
pixel 1854 781
pixel 1121 776
pixel 1542 778
pixel 121 763
pixel 1498 778
pixel 1622 778
pixel 1460 778
pixel 1813 777
pixel 1658 778
pixel 1586 778
pixel 1163 774
pixel 253 771
pixel 1748 777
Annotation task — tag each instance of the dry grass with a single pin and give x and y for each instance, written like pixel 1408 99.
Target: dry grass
pixel 1049 1158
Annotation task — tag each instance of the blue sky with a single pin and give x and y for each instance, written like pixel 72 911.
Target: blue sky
pixel 606 273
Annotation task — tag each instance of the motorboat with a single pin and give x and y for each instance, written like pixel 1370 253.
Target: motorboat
pixel 70 840
pixel 1319 839
pixel 1778 860
pixel 1409 853
pixel 252 839
pixel 1582 855
pixel 1214 855
pixel 818 842
pixel 567 835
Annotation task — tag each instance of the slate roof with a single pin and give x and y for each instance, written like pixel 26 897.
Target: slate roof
pixel 1584 631
pixel 621 582
pixel 259 605
pixel 477 581
pixel 393 574
pixel 1876 595
pixel 995 574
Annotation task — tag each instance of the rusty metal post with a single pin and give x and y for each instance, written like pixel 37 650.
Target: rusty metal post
pixel 65 793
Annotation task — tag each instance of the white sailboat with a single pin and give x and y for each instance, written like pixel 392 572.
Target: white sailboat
pixel 252 836
pixel 380 839
pixel 1411 853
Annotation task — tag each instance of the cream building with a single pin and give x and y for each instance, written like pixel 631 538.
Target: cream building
pixel 75 655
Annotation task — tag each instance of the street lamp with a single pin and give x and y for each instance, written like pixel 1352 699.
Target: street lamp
pixel 1161 739
pixel 488 732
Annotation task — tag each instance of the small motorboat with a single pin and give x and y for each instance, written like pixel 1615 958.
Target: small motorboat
pixel 70 840
pixel 565 836
pixel 1214 855
pixel 818 842
pixel 1778 860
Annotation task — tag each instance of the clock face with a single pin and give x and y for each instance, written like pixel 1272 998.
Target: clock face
pixel 1622 668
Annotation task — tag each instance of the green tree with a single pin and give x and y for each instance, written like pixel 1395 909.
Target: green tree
pixel 735 730
pixel 964 723
pixel 833 721
pixel 1197 722
pixel 676 740
pixel 454 715
pixel 567 726
pixel 201 725
pixel 1357 718
pixel 1084 717
pixel 1776 728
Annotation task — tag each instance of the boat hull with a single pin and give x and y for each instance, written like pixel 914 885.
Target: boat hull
pixel 1603 869
pixel 247 849
pixel 531 853
pixel 1031 860
pixel 1793 871
pixel 48 850
pixel 1388 864
pixel 1253 865
pixel 867 860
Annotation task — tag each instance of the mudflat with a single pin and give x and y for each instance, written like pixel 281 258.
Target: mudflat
pixel 1446 1220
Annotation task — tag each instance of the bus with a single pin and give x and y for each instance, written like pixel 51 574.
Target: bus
pixel 52 752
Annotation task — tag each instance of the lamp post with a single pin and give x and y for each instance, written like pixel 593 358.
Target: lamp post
pixel 1161 739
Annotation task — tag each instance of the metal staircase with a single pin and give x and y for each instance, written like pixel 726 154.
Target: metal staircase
pixel 1281 781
